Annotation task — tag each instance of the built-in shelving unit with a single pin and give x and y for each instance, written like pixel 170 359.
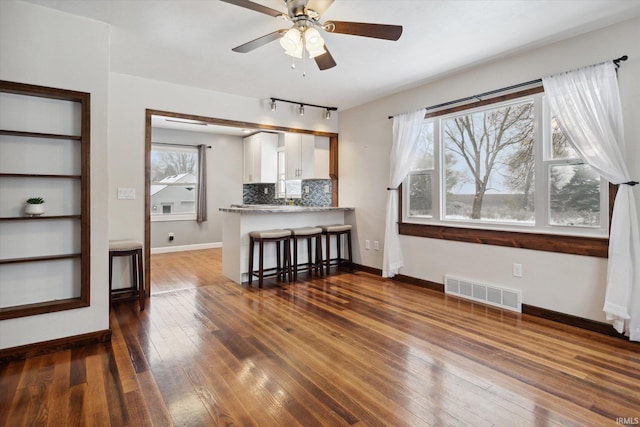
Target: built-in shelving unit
pixel 44 152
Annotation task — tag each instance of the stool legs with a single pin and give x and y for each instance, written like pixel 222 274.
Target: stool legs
pixel 141 290
pixel 137 274
pixel 251 247
pixel 339 260
pixel 314 263
pixel 283 267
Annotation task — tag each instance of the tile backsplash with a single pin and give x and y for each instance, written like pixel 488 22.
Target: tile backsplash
pixel 255 194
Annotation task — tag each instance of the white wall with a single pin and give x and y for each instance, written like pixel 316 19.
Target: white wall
pixel 224 187
pixel 44 47
pixel 567 283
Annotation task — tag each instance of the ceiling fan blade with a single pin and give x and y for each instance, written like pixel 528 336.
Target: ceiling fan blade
pixel 259 42
pixel 378 31
pixel 255 7
pixel 325 61
pixel 319 6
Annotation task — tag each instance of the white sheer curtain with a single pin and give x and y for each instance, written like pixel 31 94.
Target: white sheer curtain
pixel 586 103
pixel 201 214
pixel 406 133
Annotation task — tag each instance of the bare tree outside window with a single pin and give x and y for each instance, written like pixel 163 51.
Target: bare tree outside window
pixel 490 164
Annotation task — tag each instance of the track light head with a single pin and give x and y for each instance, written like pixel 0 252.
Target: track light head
pixel 301 105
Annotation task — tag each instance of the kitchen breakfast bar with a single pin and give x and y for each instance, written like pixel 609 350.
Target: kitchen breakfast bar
pixel 240 220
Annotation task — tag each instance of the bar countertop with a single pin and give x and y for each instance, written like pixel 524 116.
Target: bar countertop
pixel 261 209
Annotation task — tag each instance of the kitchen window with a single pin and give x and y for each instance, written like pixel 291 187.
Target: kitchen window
pixel 286 189
pixel 506 167
pixel 174 182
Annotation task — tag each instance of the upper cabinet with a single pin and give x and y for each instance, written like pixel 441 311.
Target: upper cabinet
pixel 307 156
pixel 298 148
pixel 260 158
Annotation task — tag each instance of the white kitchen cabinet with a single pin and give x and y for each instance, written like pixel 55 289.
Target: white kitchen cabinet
pixel 299 156
pixel 260 158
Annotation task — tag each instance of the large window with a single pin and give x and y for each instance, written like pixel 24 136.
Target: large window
pixel 174 182
pixel 503 166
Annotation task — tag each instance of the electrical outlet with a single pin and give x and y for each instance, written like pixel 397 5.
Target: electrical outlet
pixel 266 190
pixel 517 270
pixel 326 188
pixel 306 189
pixel 171 237
pixel 367 244
pixel 376 245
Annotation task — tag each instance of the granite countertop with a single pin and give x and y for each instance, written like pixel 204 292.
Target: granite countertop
pixel 281 209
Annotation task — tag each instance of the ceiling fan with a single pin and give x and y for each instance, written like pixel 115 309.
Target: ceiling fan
pixel 304 35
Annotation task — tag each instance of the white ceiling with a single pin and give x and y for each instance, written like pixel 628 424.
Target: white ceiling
pixel 189 42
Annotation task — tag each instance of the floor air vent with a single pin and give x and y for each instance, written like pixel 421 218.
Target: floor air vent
pixel 489 294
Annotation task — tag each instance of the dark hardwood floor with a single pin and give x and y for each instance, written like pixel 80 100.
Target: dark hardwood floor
pixel 348 349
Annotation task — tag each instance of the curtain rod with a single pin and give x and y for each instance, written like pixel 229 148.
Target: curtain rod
pixel 504 89
pixel 177 145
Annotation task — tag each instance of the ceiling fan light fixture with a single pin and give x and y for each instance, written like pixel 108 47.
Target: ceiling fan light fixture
pixel 291 42
pixel 312 38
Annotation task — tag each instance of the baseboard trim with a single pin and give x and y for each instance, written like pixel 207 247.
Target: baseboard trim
pixel 51 346
pixel 420 282
pixel 543 313
pixel 366 269
pixel 569 319
pixel 183 248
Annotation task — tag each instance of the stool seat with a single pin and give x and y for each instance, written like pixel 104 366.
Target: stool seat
pixel 133 249
pixel 336 228
pixel 305 231
pixel 270 234
pixel 124 245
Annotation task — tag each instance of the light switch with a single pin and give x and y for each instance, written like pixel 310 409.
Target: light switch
pixel 126 193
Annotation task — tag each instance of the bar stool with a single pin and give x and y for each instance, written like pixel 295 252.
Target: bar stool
pixel 282 269
pixel 337 230
pixel 313 263
pixel 133 249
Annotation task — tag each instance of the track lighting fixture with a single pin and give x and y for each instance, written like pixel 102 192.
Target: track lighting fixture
pixel 301 105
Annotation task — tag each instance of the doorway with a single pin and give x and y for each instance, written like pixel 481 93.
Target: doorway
pixel 221 125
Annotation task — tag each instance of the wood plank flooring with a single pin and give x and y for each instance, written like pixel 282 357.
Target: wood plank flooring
pixel 347 349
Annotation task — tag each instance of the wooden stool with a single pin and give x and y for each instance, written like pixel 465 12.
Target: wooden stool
pixel 312 264
pixel 337 230
pixel 132 249
pixel 282 268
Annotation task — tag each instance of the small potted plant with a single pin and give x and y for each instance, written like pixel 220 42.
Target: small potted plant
pixel 35 206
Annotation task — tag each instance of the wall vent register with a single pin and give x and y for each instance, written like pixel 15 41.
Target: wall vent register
pixel 497 296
